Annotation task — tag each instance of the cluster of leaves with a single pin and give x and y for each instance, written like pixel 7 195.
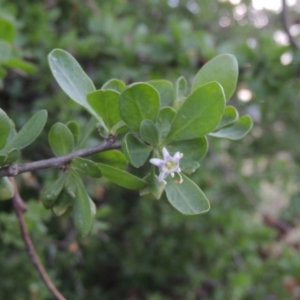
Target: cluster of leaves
pixel 147 250
pixel 148 116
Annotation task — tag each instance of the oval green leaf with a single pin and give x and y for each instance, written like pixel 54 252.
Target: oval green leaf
pixel 29 132
pixel 230 116
pixel 82 208
pixel 51 192
pixel 149 132
pixel 135 150
pixel 6 189
pixel 186 197
pixel 114 84
pixel 61 139
pixel 74 128
pixel 236 131
pixel 223 69
pixel 164 121
pixel 122 178
pixel 138 102
pixel 62 204
pixel 200 113
pixel 113 158
pixel 165 90
pixel 105 104
pixel 5 127
pixel 71 77
pixel 86 166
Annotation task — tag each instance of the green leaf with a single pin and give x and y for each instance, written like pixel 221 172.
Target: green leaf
pixel 164 121
pixel 61 139
pixel 230 115
pixel 86 166
pixel 6 189
pixel 165 90
pixel 105 104
pixel 29 132
pixel 5 51
pixel 74 128
pixel 10 157
pixel 188 165
pixel 154 189
pixel 113 158
pixel 186 197
pixel 122 178
pixel 222 69
pixel 135 150
pixel 200 113
pixel 5 127
pixel 149 132
pixel 7 30
pixel 194 149
pixel 51 192
pixel 20 64
pixel 71 78
pixel 86 132
pixel 138 102
pixel 236 131
pixel 180 88
pixel 82 208
pixel 62 204
pixel 114 84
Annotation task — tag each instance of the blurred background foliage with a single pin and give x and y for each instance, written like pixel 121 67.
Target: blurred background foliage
pixel 247 245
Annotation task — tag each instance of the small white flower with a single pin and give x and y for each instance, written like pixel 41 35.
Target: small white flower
pixel 168 165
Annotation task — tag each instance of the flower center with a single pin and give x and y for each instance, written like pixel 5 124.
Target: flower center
pixel 171 165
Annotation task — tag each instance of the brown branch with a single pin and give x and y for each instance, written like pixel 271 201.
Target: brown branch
pixel 20 209
pixel 57 162
pixel 286 25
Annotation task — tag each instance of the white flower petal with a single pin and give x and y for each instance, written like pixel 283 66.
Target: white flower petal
pixel 157 162
pixel 166 154
pixel 177 156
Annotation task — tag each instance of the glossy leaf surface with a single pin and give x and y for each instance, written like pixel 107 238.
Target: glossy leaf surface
pixel 114 84
pixel 135 150
pixel 222 69
pixel 149 132
pixel 164 121
pixel 82 208
pixel 51 192
pixel 138 102
pixel 5 127
pixel 113 158
pixel 29 132
pixel 186 197
pixel 230 115
pixel 105 104
pixel 200 113
pixel 237 130
pixel 86 166
pixel 70 76
pixel 122 178
pixel 61 139
pixel 165 90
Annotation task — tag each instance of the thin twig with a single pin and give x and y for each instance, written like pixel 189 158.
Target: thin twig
pixel 20 209
pixel 57 162
pixel 286 25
